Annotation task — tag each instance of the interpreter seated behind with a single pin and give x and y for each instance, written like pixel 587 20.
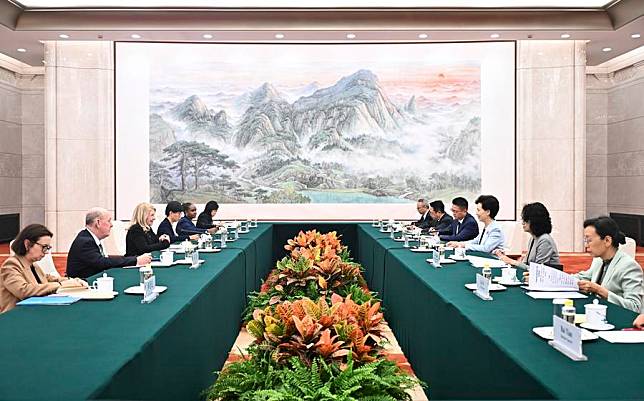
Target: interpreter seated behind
pixel 185 226
pixel 20 275
pixel 491 237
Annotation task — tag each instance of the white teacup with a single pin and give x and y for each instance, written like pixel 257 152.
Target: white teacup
pixel 167 257
pixel 509 274
pixel 459 253
pixel 596 314
pixel 103 284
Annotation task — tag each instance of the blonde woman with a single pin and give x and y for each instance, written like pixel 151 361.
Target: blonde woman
pixel 140 238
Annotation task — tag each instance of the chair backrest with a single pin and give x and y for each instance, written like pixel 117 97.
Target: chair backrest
pixel 514 239
pixel 115 243
pixel 47 265
pixel 556 266
pixel 629 247
pixel 11 252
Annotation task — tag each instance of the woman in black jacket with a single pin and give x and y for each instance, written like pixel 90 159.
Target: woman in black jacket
pixel 140 237
pixel 205 218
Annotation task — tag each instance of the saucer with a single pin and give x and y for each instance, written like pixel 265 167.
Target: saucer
pixel 454 257
pixel 508 283
pixel 442 261
pixel 597 327
pixel 159 264
pixel 547 333
pixel 493 287
pixel 211 250
pixel 425 250
pixel 137 290
pixel 187 261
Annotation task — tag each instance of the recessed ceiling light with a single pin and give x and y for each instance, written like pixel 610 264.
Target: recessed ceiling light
pixel 279 36
pixel 565 35
pixel 21 50
pixel 422 36
pixel 207 36
pixel 63 36
pixel 607 49
pixel 351 35
pixel 135 36
pixel 494 35
pixel 635 36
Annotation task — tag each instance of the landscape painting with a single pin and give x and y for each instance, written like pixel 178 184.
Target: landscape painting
pixel 370 123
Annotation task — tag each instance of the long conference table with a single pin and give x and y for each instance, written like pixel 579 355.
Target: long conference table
pixel 462 346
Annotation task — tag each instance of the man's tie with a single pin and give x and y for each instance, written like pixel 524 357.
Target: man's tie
pixel 458 226
pixel 100 247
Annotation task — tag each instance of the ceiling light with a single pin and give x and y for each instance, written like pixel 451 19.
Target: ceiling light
pixel 607 49
pixel 135 36
pixel 565 35
pixel 351 35
pixel 422 36
pixel 635 36
pixel 207 36
pixel 63 36
pixel 279 36
pixel 21 50
pixel 494 35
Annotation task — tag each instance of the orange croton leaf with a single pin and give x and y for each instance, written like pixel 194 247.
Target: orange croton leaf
pixel 327 345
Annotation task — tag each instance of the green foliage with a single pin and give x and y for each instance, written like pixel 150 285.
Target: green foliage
pixel 258 379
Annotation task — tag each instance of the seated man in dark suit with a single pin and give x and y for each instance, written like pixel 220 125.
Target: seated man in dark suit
pixel 464 226
pixel 172 215
pixel 440 219
pixel 185 226
pixel 425 220
pixel 87 256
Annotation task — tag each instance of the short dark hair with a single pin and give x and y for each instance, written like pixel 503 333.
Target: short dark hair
pixel 605 226
pixel 489 203
pixel 539 218
pixel 438 206
pixel 186 207
pixel 210 206
pixel 460 202
pixel 173 207
pixel 33 232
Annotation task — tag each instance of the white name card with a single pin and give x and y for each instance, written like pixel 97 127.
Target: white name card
pixel 546 278
pixel 149 294
pixel 482 287
pixel 436 258
pixel 195 260
pixel 567 339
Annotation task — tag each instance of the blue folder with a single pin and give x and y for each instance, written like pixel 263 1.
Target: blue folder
pixel 50 300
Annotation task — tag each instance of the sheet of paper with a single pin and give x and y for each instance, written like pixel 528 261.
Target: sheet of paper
pixel 478 261
pixel 546 278
pixel 623 337
pixel 555 294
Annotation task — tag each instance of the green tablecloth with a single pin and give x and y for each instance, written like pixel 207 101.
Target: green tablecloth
pixel 167 350
pixel 467 348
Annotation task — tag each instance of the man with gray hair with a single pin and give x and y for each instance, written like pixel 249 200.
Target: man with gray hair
pixel 87 256
pixel 425 220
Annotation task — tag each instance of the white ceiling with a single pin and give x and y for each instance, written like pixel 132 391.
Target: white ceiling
pixel 317 3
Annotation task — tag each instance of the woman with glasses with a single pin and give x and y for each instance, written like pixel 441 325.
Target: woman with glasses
pixel 541 247
pixel 613 274
pixel 21 278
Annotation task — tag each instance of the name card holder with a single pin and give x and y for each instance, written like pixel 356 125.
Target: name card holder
pixel 482 288
pixel 149 295
pixel 436 258
pixel 567 339
pixel 195 260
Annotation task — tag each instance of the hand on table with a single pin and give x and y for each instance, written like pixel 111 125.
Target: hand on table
pixel 143 259
pixel 639 321
pixel 213 230
pixel 165 238
pixel 503 257
pixel 592 288
pixel 194 237
pixel 456 244
pixel 73 283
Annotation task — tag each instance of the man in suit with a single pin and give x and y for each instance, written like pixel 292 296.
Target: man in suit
pixel 87 256
pixel 464 227
pixel 440 219
pixel 425 220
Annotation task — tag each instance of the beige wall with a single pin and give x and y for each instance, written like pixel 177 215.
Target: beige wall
pixel 615 122
pixel 22 170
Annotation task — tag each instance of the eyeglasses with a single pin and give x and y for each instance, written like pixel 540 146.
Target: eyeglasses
pixel 588 240
pixel 45 248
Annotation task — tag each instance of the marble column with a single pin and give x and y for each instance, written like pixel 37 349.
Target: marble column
pixel 551 132
pixel 79 121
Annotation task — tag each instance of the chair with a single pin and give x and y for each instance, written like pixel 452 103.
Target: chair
pixel 47 265
pixel 115 243
pixel 11 252
pixel 629 247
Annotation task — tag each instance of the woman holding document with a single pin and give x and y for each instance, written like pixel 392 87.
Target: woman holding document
pixel 613 274
pixel 21 278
